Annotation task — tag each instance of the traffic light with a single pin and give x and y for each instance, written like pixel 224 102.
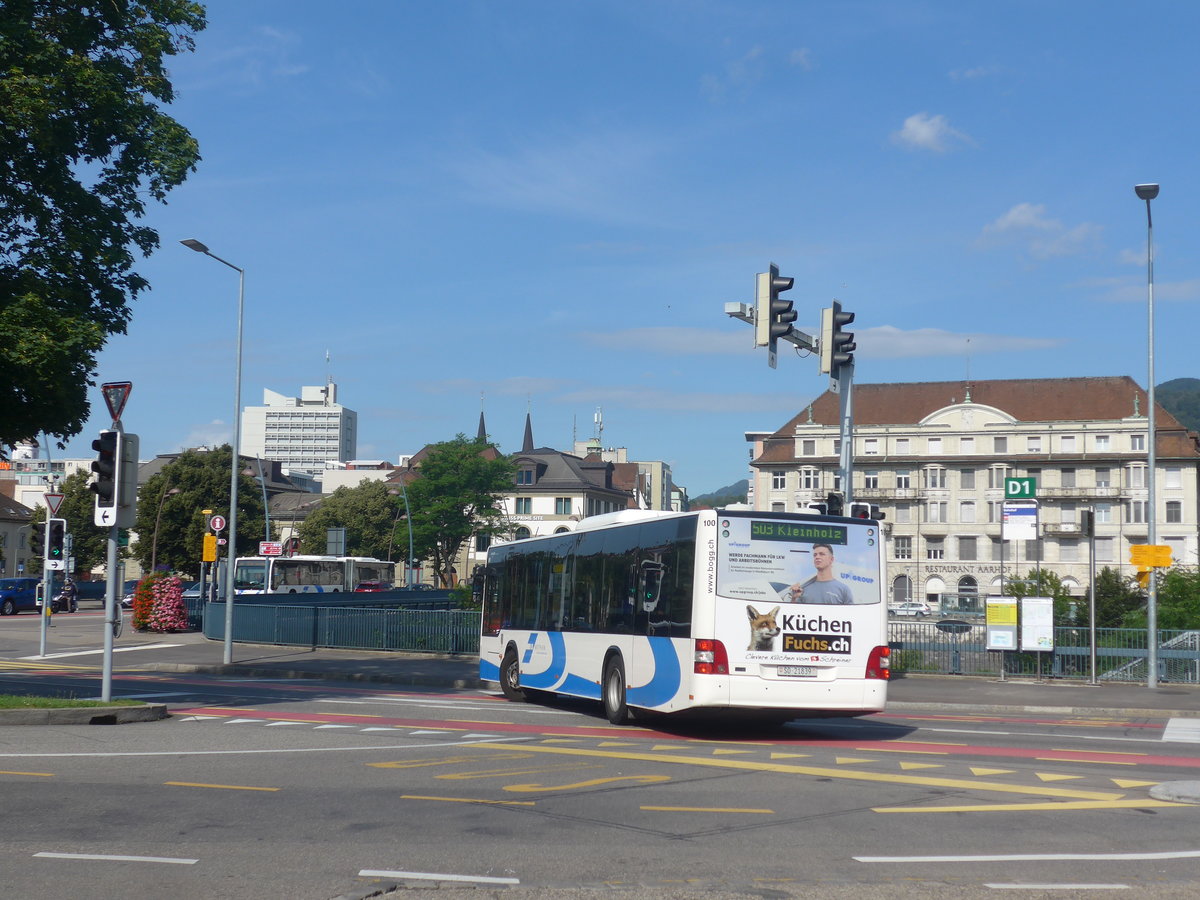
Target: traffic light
pixel 837 346
pixel 56 540
pixel 834 503
pixel 107 469
pixel 865 511
pixel 1087 522
pixel 773 317
pixel 37 540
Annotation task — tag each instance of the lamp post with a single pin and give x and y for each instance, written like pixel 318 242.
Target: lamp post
pixel 408 518
pixel 1148 192
pixel 157 519
pixel 231 554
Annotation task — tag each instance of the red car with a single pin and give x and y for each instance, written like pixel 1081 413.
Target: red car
pixel 371 587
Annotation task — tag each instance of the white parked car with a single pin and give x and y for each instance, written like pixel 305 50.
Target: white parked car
pixel 919 610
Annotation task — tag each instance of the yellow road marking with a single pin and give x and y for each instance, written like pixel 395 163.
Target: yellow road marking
pixel 225 787
pixel 913 765
pixel 746 765
pixel 561 741
pixel 443 761
pixel 790 755
pixel 1094 762
pixel 713 809
pixel 1104 752
pixel 468 800
pixel 979 771
pixel 730 752
pixel 595 782
pixel 1032 807
pixel 917 752
pixel 1129 783
pixel 931 743
pixel 1054 776
pixel 667 747
pixel 850 760
pixel 13 664
pixel 616 744
pixel 497 773
pixel 34 774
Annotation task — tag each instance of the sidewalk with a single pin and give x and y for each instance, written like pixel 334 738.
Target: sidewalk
pixel 950 694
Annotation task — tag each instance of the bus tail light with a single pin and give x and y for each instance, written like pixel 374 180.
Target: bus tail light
pixel 711 658
pixel 879 663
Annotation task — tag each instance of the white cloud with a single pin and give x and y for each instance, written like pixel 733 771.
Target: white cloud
pixel 922 131
pixel 1136 292
pixel 802 57
pixel 208 434
pixel 738 74
pixel 1044 237
pixel 889 342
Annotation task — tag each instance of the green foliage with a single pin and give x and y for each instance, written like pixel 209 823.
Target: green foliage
pixel 733 493
pixel 1178 606
pixel 1046 583
pixel 456 495
pixel 1181 398
pixel 201 478
pixel 1118 600
pixel 83 144
pixel 367 512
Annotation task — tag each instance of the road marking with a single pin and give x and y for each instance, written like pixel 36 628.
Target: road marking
pixel 595 782
pixel 13 665
pixel 226 787
pixel 1130 783
pixel 101 650
pixel 1053 776
pixel 434 876
pixel 1055 806
pixel 712 809
pixel 32 774
pixel 115 858
pixel 823 772
pixel 913 765
pixel 422 745
pixel 1058 887
pixel 1182 730
pixel 1033 857
pixel 978 771
pixel 851 760
pixel 512 773
pixel 468 800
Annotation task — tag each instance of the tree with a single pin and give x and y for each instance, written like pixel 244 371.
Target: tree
pixel 366 511
pixel 1117 600
pixel 84 143
pixel 455 495
pixel 200 480
pixel 1046 583
pixel 1178 606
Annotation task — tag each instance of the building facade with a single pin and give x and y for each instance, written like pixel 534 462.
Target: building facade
pixel 301 433
pixel 934 456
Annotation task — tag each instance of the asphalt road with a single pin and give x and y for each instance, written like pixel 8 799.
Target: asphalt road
pixel 262 788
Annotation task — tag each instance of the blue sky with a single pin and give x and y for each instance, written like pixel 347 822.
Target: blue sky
pixel 549 203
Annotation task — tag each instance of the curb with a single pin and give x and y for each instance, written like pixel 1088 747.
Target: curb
pixel 84 715
pixel 1086 711
pixel 269 672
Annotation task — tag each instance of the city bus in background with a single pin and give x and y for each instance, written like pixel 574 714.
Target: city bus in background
pixel 308 574
pixel 778 614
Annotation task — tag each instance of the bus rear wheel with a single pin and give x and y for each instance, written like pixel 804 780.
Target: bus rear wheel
pixel 615 707
pixel 510 677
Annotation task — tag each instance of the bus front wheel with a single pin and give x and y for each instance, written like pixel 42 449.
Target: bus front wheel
pixel 510 677
pixel 615 707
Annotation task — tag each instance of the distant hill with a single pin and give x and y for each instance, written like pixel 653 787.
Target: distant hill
pixel 1181 398
pixel 733 493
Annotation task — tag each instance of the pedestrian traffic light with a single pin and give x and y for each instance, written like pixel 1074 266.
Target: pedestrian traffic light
pixel 865 511
pixel 819 508
pixel 837 346
pixel 37 540
pixel 773 317
pixel 56 539
pixel 834 503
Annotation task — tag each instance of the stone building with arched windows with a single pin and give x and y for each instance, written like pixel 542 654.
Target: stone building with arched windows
pixel 934 456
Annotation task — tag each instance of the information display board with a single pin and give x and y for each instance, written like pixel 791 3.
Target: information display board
pixel 1037 624
pixel 1001 623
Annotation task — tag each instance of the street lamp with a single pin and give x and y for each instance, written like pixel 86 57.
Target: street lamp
pixel 408 518
pixel 1148 192
pixel 158 518
pixel 231 555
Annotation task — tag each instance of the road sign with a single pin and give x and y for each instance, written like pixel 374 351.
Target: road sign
pixel 1153 555
pixel 53 502
pixel 209 550
pixel 115 394
pixel 1019 520
pixel 1020 488
pixel 270 548
pixel 216 523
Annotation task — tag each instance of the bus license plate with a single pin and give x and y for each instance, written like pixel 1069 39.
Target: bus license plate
pixel 798 671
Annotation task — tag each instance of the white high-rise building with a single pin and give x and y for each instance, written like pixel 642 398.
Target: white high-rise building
pixel 301 433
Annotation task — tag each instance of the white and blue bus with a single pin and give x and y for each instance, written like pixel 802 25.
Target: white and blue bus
pixel 781 614
pixel 308 574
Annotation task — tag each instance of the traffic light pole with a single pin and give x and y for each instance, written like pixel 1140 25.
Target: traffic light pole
pixel 45 587
pixel 111 611
pixel 843 381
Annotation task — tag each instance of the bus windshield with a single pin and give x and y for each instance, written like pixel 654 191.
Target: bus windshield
pixel 250 575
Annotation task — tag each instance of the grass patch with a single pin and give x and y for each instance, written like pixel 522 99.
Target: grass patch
pixel 22 701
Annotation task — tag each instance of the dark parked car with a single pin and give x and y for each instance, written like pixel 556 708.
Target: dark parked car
pixel 18 595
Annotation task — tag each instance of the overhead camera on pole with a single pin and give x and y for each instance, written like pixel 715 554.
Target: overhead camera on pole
pixel 773 316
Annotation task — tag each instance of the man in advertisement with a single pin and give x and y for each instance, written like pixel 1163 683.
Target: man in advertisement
pixel 822 587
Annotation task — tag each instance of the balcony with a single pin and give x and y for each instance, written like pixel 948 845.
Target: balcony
pixel 1046 492
pixel 887 494
pixel 1063 529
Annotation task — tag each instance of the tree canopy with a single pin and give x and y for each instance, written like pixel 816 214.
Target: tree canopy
pixel 200 479
pixel 83 144
pixel 455 495
pixel 366 511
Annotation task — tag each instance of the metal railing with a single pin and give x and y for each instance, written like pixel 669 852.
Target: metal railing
pixel 919 647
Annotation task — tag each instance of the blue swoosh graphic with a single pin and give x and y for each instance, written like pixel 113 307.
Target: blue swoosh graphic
pixel 488 671
pixel 558 661
pixel 664 683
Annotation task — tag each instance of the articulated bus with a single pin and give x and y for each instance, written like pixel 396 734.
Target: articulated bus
pixel 307 574
pixel 776 613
